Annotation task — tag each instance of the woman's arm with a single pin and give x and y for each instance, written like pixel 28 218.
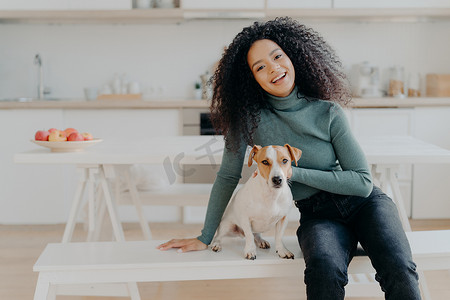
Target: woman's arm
pixel 222 190
pixel 355 177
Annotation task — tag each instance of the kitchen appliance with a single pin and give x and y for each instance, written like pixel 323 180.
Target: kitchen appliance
pixel 366 80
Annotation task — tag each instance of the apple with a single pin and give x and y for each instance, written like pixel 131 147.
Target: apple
pixel 68 131
pixel 41 135
pixel 87 136
pixel 52 129
pixel 57 136
pixel 75 136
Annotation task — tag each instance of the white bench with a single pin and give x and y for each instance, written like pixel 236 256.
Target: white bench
pixel 67 268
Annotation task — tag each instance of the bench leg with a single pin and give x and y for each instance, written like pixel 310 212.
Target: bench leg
pixel 42 291
pixel 424 286
pixel 133 291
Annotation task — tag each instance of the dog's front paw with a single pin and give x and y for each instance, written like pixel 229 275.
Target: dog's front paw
pixel 250 255
pixel 250 252
pixel 263 244
pixel 285 253
pixel 216 247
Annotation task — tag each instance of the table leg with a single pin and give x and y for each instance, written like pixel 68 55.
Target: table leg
pixel 91 202
pixel 110 204
pixel 137 203
pixel 42 291
pixel 98 216
pixel 387 175
pixel 68 231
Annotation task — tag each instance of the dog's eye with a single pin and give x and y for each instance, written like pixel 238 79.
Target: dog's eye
pixel 285 161
pixel 265 162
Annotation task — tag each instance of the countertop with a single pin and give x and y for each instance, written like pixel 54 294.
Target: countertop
pixel 182 104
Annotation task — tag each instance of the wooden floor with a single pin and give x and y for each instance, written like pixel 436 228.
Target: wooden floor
pixel 21 245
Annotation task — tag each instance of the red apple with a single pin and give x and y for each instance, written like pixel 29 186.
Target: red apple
pixel 75 136
pixel 52 129
pixel 87 136
pixel 41 135
pixel 68 131
pixel 57 136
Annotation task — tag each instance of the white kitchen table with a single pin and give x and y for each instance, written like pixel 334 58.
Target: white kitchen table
pixel 385 154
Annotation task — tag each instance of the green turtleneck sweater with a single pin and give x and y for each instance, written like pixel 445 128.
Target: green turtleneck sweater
pixel 331 160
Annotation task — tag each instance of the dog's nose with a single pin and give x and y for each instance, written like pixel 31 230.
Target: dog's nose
pixel 277 180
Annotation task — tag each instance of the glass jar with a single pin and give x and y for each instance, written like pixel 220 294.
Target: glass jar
pixel 414 84
pixel 397 82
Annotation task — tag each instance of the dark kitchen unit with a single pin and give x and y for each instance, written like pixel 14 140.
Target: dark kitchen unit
pixel 198 122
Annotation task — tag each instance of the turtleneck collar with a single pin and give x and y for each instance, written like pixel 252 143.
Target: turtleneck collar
pixel 285 103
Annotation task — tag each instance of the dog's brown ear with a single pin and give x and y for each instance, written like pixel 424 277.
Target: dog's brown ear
pixel 252 154
pixel 294 153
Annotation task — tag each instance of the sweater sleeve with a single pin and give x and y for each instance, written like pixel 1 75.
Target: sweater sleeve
pixel 222 190
pixel 355 177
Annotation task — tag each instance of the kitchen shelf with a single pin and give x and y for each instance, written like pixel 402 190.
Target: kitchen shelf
pixel 182 104
pixel 365 14
pixel 157 15
pixel 176 15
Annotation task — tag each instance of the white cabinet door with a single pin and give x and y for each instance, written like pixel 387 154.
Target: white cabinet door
pixel 390 3
pixel 220 4
pixel 34 4
pixel 124 124
pixel 99 4
pixel 274 4
pixel 431 194
pixel 29 194
pixel 383 121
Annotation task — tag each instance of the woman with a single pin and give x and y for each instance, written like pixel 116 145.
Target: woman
pixel 279 82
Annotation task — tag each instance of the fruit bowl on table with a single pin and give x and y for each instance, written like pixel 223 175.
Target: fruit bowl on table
pixel 67 146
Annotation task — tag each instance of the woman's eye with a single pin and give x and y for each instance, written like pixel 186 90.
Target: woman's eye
pixel 259 68
pixel 285 161
pixel 265 162
pixel 278 56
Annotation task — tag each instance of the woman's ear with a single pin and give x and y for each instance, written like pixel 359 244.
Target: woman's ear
pixel 294 153
pixel 252 154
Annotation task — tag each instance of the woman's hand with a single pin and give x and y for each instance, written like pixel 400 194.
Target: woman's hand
pixel 183 245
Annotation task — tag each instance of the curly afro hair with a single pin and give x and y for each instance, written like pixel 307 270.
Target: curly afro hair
pixel 238 98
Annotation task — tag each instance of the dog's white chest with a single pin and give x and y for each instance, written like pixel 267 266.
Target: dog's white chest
pixel 265 216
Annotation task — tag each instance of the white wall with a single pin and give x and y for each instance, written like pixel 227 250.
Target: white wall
pixel 172 56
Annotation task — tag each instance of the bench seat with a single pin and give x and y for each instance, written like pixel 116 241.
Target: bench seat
pixel 140 261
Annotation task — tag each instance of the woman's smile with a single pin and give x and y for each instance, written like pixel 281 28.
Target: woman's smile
pixel 271 67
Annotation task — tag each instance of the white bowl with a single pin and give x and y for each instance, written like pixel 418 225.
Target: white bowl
pixel 67 146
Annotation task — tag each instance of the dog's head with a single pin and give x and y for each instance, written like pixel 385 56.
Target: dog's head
pixel 274 162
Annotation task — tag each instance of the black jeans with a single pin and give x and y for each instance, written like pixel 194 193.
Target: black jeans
pixel 331 226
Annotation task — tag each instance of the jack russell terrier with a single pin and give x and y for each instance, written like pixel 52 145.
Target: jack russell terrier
pixel 263 202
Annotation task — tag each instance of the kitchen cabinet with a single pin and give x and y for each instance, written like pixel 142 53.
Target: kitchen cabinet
pixel 220 4
pixel 279 4
pixel 99 4
pixel 33 4
pixel 12 12
pixel 29 193
pixel 42 194
pixel 367 122
pixel 64 4
pixel 391 3
pixel 431 196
